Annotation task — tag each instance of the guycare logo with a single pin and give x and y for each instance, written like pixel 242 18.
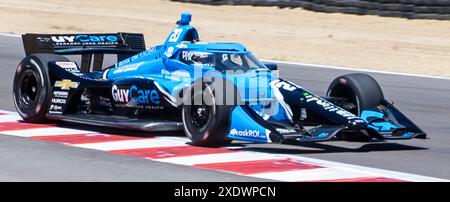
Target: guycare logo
pixel 135 94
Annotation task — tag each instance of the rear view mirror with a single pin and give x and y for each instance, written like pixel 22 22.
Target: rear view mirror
pixel 273 68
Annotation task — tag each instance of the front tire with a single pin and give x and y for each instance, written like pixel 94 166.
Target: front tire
pixel 205 121
pixel 361 90
pixel 32 88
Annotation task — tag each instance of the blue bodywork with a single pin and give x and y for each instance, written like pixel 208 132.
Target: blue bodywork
pixel 274 108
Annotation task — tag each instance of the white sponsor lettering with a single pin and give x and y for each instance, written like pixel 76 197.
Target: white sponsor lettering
pixel 127 68
pixel 187 56
pixel 245 133
pixel 285 131
pixel 120 95
pixel 330 107
pixel 135 57
pixel 55 107
pixel 68 66
pixel 61 39
pixel 179 75
pixel 60 94
pixel 169 52
pixel 58 101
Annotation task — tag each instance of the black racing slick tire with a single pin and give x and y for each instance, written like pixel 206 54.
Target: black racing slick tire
pixel 206 122
pixel 32 88
pixel 362 90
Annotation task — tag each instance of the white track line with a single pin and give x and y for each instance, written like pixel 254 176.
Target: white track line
pixel 50 131
pixel 219 158
pixel 310 175
pixel 325 66
pixel 368 170
pixel 8 112
pixel 132 144
pixel 10 118
pixel 10 35
pixel 356 69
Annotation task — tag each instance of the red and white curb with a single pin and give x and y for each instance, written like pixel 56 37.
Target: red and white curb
pixel 175 150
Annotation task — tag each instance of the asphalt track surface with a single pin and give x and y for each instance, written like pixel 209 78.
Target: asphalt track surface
pixel 425 100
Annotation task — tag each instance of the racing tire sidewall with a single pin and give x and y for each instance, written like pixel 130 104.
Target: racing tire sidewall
pixel 36 65
pixel 215 130
pixel 365 88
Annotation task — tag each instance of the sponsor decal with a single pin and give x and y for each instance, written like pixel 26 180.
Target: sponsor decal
pixel 55 107
pixel 135 95
pixel 181 45
pixel 127 68
pixel 135 57
pixel 85 39
pixel 55 112
pixel 329 106
pixel 187 56
pixel 60 94
pixel 66 84
pixel 245 133
pixel 169 52
pixel 69 66
pixel 285 131
pixel 179 75
pixel 58 101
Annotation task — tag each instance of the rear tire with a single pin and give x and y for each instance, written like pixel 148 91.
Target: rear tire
pixel 360 89
pixel 32 88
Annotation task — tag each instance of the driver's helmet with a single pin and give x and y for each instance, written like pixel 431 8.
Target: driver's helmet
pixel 204 58
pixel 236 59
pixel 232 60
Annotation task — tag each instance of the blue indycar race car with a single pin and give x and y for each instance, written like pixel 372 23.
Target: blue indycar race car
pixel 215 92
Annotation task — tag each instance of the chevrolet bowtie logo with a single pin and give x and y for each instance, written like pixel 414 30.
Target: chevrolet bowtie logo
pixel 66 84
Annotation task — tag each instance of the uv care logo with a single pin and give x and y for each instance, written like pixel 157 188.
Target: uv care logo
pixel 85 38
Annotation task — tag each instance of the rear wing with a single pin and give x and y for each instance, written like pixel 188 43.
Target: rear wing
pixel 123 45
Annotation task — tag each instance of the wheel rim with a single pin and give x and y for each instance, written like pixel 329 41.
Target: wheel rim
pixel 347 93
pixel 200 115
pixel 28 89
